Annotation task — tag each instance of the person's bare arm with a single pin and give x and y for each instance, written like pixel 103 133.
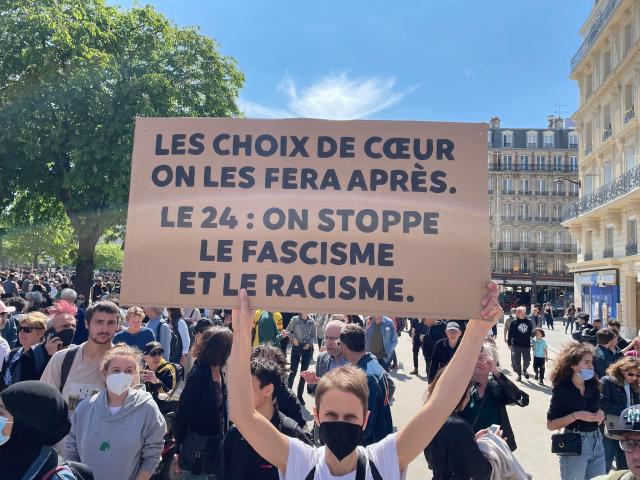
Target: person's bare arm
pixel 268 442
pixel 418 433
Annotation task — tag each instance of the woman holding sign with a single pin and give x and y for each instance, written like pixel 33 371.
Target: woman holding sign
pixel 341 410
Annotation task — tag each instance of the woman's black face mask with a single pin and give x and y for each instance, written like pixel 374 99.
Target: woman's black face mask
pixel 341 438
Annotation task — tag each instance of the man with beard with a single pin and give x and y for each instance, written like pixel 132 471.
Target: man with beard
pixel 76 370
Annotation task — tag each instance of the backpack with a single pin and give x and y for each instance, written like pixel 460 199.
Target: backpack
pixel 174 341
pixel 361 469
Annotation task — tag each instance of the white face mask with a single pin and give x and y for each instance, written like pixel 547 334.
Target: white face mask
pixel 118 383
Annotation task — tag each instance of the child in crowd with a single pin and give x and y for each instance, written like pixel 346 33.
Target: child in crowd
pixel 540 354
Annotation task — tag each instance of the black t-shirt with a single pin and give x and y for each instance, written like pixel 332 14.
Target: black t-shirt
pixel 238 460
pixel 566 399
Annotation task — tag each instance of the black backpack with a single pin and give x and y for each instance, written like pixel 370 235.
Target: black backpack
pixel 175 344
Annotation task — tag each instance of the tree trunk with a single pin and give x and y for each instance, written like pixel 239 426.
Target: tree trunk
pixel 34 261
pixel 85 262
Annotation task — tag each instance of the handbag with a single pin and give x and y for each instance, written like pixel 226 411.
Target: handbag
pixel 566 444
pixel 198 452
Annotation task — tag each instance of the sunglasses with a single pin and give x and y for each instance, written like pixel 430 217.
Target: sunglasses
pixel 27 329
pixel 156 353
pixel 636 375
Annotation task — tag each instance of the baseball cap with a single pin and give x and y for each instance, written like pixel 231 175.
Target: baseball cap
pixel 5 309
pixel 629 421
pixel 201 325
pixel 452 326
pixel 151 346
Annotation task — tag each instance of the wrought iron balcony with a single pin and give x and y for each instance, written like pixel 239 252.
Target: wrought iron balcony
pixel 507 192
pixel 629 114
pixel 532 145
pixel 607 253
pixel 606 134
pixel 594 33
pixel 631 249
pixel 622 185
pixel 587 150
pixel 498 167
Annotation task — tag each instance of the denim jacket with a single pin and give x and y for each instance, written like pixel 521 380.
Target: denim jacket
pixel 389 337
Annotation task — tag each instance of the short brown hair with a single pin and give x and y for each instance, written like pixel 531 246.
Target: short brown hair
pixel 104 306
pixel 214 347
pixel 605 335
pixel 135 311
pixel 346 379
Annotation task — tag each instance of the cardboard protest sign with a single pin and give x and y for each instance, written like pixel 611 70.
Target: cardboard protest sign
pixel 309 215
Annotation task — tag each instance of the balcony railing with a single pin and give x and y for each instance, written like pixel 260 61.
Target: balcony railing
pixel 594 33
pixel 606 134
pixel 524 218
pixel 525 192
pixel 537 247
pixel 573 145
pixel 622 185
pixel 532 145
pixel 507 192
pixel 631 249
pixel 607 253
pixel 629 114
pixel 588 256
pixel 497 167
pixel 508 218
pixel 587 150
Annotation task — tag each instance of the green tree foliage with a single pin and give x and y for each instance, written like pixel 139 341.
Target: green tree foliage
pixel 109 256
pixel 35 231
pixel 74 74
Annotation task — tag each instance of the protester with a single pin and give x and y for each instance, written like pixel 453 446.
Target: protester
pixel 633 349
pixel 569 318
pixel 160 329
pixel 10 330
pixel 96 290
pixel 379 423
pixel 159 376
pixel 607 351
pixel 119 432
pixel 75 372
pixel 72 297
pixel 425 333
pixel 341 409
pixel 302 333
pixel 454 451
pixel 540 354
pixel 575 407
pixel 627 431
pixel 519 341
pixel 266 330
pixel 536 318
pixel 237 460
pixel 620 390
pixel 331 358
pixel 202 418
pixel 548 316
pixel 33 418
pixel 180 329
pixel 381 339
pixel 134 335
pixel 444 349
pixel 507 323
pixel 615 326
pixel 490 394
pixel 19 363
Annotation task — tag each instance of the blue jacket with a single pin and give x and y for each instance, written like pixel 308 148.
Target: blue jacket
pixel 389 337
pixel 603 358
pixel 380 423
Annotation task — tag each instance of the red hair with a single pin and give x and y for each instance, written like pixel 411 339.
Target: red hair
pixel 63 307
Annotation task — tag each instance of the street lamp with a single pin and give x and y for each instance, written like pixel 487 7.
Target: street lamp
pixel 561 180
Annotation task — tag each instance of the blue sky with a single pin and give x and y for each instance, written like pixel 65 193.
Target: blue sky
pixel 445 60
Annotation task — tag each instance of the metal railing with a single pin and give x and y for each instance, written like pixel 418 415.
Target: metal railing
pixel 594 33
pixel 606 134
pixel 532 145
pixel 587 150
pixel 588 256
pixel 507 192
pixel 622 185
pixel 631 249
pixel 629 114
pixel 497 167
pixel 538 247
pixel 607 253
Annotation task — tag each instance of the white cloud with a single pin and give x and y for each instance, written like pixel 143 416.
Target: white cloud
pixel 334 97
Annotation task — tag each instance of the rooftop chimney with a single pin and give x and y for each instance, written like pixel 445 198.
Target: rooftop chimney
pixel 551 121
pixel 494 122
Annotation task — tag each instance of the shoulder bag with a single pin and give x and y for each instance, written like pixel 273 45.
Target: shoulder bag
pixel 566 444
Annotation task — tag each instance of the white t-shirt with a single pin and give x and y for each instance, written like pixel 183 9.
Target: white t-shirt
pixel 302 458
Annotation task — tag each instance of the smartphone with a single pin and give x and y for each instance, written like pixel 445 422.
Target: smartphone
pixel 494 429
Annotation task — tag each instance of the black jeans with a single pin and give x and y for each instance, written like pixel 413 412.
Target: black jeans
pixel 300 357
pixel 284 343
pixel 538 367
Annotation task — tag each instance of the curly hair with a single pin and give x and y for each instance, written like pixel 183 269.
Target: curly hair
pixel 571 356
pixel 616 370
pixel 272 354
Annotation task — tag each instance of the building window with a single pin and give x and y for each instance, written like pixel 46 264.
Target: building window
pixel 507 185
pixel 607 171
pixel 557 163
pixel 524 211
pixel 525 186
pixel 608 241
pixel 507 162
pixel 559 266
pixel 507 210
pixel 524 162
pixel 506 237
pixel 490 184
pixel 629 157
pixel 588 245
pixel 547 140
pixel 539 238
pixel 532 139
pixel 524 265
pixel 557 210
pixel 507 139
pixel 632 232
pixel 573 140
pixel 507 265
pixel 542 186
pixel 524 238
pixel 573 163
pixel 628 37
pixel 606 60
pixel 540 265
pixel 559 189
pixel 542 210
pixel 494 263
pixel 540 162
pixel 559 238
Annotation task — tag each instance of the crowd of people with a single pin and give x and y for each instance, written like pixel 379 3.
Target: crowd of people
pixel 100 390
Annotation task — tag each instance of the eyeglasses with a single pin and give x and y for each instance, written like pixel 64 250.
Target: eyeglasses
pixel 629 445
pixel 157 353
pixel 27 329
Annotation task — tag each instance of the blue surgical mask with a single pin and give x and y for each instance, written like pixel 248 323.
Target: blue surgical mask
pixel 587 373
pixel 3 438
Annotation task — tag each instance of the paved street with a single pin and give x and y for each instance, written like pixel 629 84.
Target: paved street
pixel 529 424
